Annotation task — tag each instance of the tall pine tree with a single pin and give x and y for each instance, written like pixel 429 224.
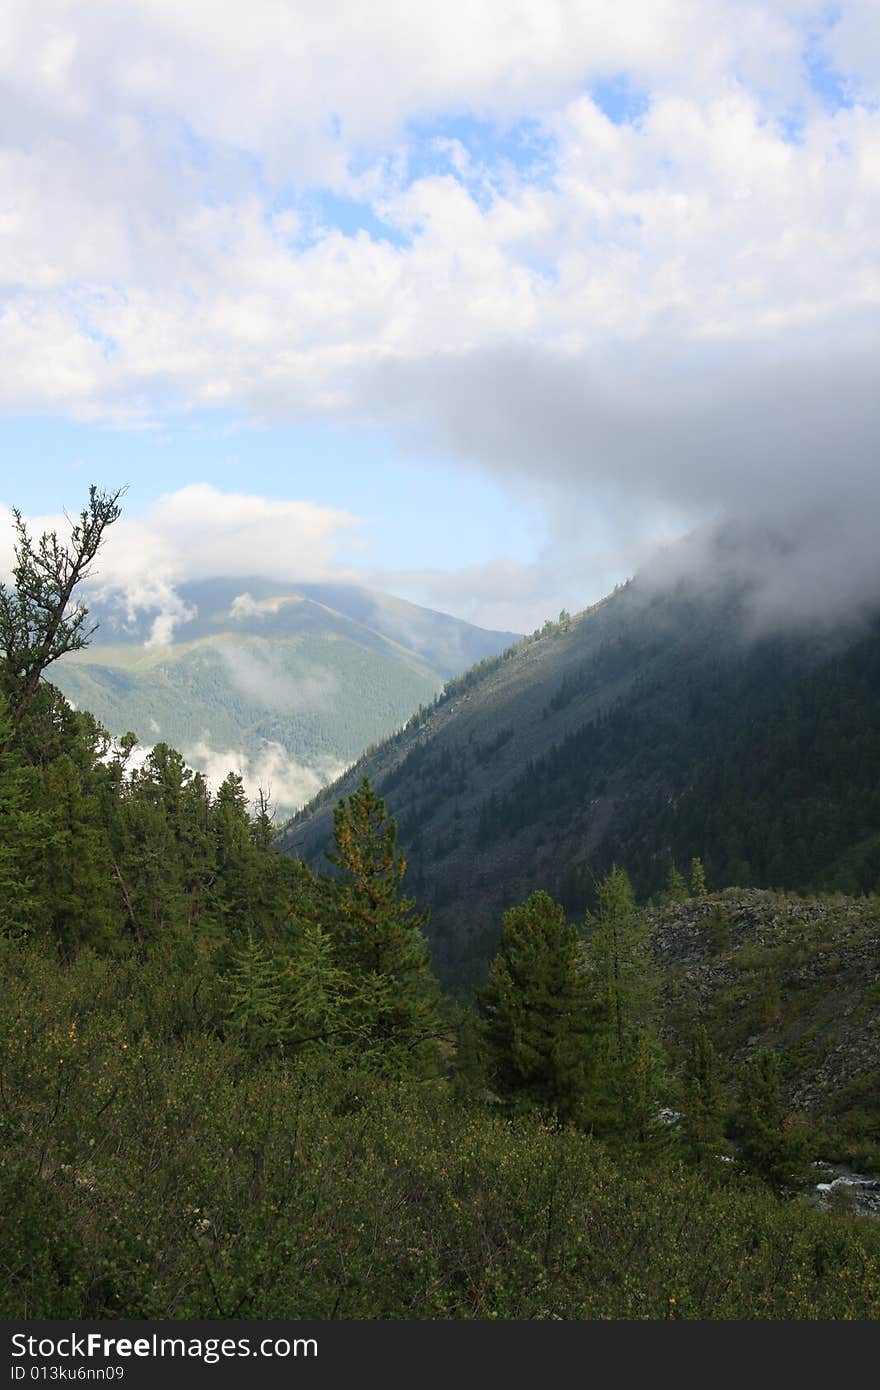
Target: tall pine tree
pixel 537 1012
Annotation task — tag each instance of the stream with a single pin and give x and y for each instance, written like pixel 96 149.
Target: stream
pixel 837 1183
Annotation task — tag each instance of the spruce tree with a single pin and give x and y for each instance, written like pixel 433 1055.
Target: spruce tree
pixel 537 1013
pixel 620 957
pixel 316 994
pixel 273 874
pixel 631 1075
pixel 148 841
pixel 255 991
pixel 703 1119
pixel 377 935
pixel 198 852
pixel 637 1088
pixel 234 888
pixel 676 888
pixel 771 1143
pixel 697 883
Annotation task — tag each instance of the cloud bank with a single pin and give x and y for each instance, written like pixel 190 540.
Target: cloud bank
pixel 623 255
pixel 288 783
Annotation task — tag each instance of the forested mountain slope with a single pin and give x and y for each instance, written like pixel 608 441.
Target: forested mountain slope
pixel 651 728
pixel 265 675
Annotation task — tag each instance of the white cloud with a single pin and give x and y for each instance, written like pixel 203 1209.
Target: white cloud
pixel 199 532
pixel 680 309
pixel 290 784
pixel 147 265
pixel 854 48
pixel 209 533
pixel 264 681
pixel 173 612
pixel 245 607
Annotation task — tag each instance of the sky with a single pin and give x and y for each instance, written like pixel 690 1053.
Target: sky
pixel 475 304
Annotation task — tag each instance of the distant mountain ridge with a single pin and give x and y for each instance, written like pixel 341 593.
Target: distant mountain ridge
pixel 649 729
pixel 291 682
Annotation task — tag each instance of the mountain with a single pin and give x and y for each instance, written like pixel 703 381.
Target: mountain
pixel 287 683
pixel 659 725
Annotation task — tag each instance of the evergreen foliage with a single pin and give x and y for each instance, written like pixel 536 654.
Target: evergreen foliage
pixel 23 831
pixel 770 1141
pixel 697 879
pixel 676 888
pixel 378 935
pixel 632 1074
pixel 255 998
pixel 703 1100
pixel 620 958
pixel 316 993
pixel 538 1011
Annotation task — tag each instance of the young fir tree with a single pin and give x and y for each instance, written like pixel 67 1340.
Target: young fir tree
pixel 631 1065
pixel 637 1087
pixel 274 875
pixel 539 1024
pixel 157 806
pixel 234 889
pixel 147 845
pixel 621 960
pixel 377 936
pixel 697 879
pixel 316 993
pixel 703 1100
pixel 676 888
pixel 770 1142
pixel 256 1005
pixel 198 852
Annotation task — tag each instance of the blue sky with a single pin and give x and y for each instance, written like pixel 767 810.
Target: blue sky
pixel 509 294
pixel 361 472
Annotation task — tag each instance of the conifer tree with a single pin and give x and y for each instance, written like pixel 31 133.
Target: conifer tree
pixel 377 933
pixel 537 1012
pixel 631 1063
pixel 676 888
pixel 316 992
pixel 636 1089
pixel 697 883
pixel 147 834
pixel 274 877
pixel 77 874
pixel 771 1143
pixel 703 1120
pixel 234 886
pixel 255 988
pixel 198 852
pixel 620 957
